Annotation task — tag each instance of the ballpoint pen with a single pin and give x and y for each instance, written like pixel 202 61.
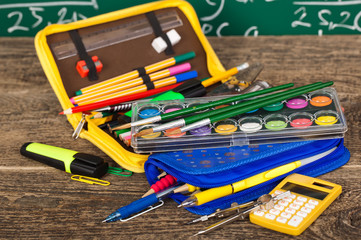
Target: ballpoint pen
pixel 215 193
pixel 124 213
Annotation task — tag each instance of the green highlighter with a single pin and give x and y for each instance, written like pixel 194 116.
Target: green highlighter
pixel 64 159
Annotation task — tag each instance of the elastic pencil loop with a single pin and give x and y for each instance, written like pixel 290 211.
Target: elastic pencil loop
pixel 90 180
pixel 150 85
pixel 157 30
pixel 146 79
pixel 83 55
pixel 120 172
pixel 141 71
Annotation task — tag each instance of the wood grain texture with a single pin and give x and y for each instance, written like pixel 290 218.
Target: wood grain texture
pixel 39 202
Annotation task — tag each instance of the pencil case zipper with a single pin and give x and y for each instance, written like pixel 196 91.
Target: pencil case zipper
pixel 325 164
pixel 238 170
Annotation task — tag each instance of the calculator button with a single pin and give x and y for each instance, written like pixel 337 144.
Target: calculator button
pixel 314 202
pixel 278 192
pixel 274 211
pixel 310 205
pixel 301 214
pixel 258 213
pixel 290 210
pixel 286 215
pixel 292 196
pixel 281 219
pixel 283 203
pixel 279 207
pixel 270 216
pixel 306 209
pixel 295 221
pixel 294 206
pixel 298 202
pixel 303 199
pixel 288 199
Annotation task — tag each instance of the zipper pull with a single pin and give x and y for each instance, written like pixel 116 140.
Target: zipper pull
pixel 79 127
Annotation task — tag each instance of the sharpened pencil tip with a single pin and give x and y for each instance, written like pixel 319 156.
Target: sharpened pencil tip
pixel 67 111
pixel 124 126
pixel 61 113
pixel 144 132
pixel 175 132
pixel 150 191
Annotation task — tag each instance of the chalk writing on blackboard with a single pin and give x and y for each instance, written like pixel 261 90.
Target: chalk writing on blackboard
pixel 327 16
pixel 217 17
pixel 30 15
pixel 264 17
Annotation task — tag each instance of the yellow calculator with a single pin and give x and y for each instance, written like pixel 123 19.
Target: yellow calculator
pixel 292 215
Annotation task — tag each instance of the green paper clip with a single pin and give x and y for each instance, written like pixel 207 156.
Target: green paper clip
pixel 119 172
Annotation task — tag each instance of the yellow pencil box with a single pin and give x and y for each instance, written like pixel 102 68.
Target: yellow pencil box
pixel 119 56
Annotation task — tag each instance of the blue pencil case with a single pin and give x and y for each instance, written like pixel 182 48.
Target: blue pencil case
pixel 216 167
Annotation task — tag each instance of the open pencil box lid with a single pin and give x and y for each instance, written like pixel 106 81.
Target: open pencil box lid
pixel 118 59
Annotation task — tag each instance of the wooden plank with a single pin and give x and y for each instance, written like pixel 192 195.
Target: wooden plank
pixel 38 201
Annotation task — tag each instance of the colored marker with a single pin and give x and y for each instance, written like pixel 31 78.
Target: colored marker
pixel 144 87
pixel 100 104
pixel 200 107
pixel 135 73
pixel 132 83
pixel 64 159
pixel 196 88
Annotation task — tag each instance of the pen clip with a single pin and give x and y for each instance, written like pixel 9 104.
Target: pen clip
pixel 150 208
pixel 90 180
pixel 79 127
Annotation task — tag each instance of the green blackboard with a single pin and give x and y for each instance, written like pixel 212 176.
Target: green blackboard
pixel 217 17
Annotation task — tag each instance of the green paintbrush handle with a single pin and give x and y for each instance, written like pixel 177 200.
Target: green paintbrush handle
pixel 230 109
pixel 200 107
pixel 267 102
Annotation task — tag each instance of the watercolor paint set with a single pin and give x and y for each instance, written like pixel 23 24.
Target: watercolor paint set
pixel 313 116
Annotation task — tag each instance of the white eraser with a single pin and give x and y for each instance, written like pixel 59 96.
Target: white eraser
pixel 160 45
pixel 173 37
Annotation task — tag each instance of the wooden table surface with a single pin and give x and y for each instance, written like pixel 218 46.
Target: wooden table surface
pixel 38 201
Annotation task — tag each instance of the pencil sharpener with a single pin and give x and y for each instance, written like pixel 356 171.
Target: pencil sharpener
pixel 83 70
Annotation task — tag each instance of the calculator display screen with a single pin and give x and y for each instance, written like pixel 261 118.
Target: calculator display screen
pixel 306 191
